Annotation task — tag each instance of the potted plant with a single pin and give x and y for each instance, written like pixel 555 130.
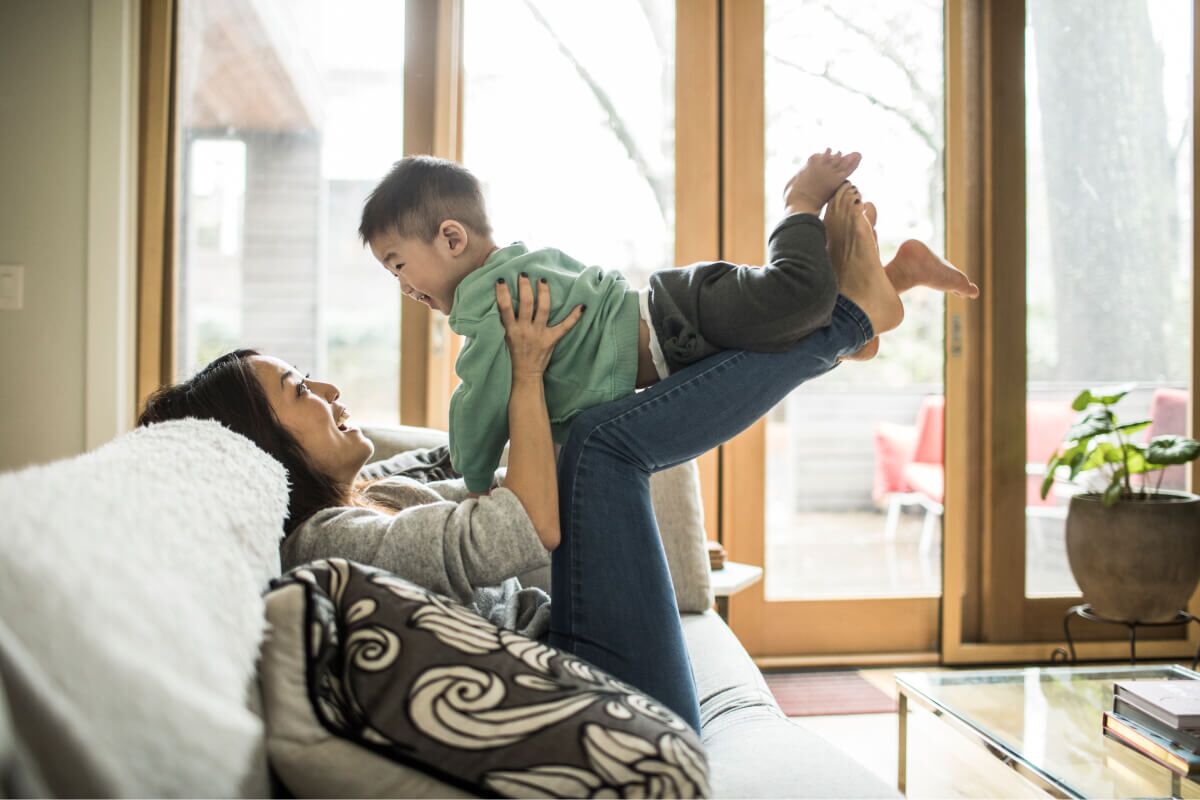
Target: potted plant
pixel 1134 548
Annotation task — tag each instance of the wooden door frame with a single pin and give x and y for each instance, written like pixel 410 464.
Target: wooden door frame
pixel 157 153
pixel 698 183
pixel 433 98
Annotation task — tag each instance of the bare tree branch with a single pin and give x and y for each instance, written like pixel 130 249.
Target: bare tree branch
pixel 615 122
pixel 1177 149
pixel 654 23
pixel 915 124
pixel 885 48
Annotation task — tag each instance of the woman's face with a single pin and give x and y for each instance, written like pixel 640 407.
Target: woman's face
pixel 310 412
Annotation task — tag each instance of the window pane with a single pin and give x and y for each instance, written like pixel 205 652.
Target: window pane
pixel 573 138
pixel 1109 141
pixel 854 460
pixel 289 112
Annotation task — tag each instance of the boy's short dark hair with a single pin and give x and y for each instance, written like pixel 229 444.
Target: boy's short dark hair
pixel 418 195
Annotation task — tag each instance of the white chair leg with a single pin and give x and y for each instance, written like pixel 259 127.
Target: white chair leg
pixel 929 529
pixel 893 517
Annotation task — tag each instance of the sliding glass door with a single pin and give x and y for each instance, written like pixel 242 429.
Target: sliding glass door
pixel 846 518
pixel 288 113
pixel 1108 271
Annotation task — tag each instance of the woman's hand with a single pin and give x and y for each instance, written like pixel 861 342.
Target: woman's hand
pixel 530 337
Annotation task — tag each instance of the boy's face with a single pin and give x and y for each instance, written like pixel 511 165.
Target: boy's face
pixel 428 272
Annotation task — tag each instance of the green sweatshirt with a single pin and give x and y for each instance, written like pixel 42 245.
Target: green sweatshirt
pixel 595 363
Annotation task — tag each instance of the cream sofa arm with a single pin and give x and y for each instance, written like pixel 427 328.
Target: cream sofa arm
pixel 675 494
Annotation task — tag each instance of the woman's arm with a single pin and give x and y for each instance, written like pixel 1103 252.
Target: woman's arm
pixel 452 548
pixel 531 469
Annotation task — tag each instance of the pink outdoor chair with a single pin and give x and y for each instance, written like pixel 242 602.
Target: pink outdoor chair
pixel 909 468
pixel 1168 412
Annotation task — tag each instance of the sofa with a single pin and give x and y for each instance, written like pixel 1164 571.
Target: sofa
pixel 131 618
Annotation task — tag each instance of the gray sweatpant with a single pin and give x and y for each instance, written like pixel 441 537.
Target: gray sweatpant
pixel 705 308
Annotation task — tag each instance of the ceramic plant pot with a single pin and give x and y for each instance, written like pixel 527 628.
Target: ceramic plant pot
pixel 1138 560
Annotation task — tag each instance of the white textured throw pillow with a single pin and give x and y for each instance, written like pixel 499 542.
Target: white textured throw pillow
pixel 132 579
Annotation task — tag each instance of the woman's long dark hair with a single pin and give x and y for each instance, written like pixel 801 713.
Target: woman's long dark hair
pixel 228 391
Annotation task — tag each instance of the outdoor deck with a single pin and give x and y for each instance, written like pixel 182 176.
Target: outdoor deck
pixel 831 554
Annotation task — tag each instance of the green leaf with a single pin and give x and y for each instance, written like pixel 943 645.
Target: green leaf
pixel 1113 492
pixel 1100 453
pixel 1135 459
pixel 1134 427
pixel 1092 424
pixel 1077 462
pixel 1082 400
pixel 1048 481
pixel 1131 457
pixel 1114 394
pixel 1171 449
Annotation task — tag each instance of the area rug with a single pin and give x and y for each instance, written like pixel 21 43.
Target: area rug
pixel 812 694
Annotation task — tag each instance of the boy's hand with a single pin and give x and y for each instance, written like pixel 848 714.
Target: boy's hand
pixel 528 333
pixel 810 188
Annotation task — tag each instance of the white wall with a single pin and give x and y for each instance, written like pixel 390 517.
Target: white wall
pixel 53 401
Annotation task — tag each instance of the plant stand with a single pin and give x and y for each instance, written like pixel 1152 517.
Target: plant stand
pixel 1067 655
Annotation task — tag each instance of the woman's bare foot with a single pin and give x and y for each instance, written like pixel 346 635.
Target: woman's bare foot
pixel 916 265
pixel 810 188
pixel 855 257
pixel 872 217
pixel 871 348
pixel 839 223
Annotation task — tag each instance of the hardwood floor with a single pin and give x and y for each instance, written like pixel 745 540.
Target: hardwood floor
pixel 871 739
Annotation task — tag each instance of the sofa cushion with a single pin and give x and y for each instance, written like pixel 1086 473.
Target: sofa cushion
pixel 753 749
pixel 131 595
pixel 375 687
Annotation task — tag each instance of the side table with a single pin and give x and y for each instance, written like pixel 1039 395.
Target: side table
pixel 731 579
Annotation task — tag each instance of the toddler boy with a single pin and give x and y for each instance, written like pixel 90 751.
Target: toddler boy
pixel 426 223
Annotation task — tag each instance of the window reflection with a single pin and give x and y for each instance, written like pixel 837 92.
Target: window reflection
pixel 289 112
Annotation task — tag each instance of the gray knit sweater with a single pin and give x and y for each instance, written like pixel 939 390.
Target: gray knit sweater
pixel 443 540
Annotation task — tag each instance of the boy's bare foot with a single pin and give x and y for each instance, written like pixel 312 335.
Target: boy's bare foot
pixel 855 257
pixel 810 188
pixel 916 265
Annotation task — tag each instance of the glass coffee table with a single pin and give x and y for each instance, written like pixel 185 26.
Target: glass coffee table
pixel 1043 723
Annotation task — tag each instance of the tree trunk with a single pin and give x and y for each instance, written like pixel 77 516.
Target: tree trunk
pixel 1111 187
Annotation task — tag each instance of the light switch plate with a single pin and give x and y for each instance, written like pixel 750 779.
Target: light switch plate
pixel 12 287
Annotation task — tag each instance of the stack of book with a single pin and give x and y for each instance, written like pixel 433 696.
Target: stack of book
pixel 1160 719
pixel 716 555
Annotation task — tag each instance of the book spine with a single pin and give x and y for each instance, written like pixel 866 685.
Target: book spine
pixel 1127 708
pixel 1150 707
pixel 1160 752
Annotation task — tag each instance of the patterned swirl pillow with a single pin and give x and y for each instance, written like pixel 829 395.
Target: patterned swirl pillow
pixel 375 687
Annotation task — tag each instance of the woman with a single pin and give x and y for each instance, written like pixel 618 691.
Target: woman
pixel 613 601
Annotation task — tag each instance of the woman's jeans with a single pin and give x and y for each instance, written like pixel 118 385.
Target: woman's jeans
pixel 613 603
